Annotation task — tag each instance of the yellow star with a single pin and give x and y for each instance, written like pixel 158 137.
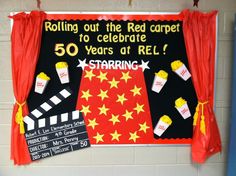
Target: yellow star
pixel 86 94
pixel 136 90
pixel 92 123
pixel 85 109
pixel 128 115
pixel 115 136
pixel 103 110
pixel 103 94
pixel 133 136
pixel 143 127
pixel 121 98
pixel 114 119
pixel 102 76
pixel 99 137
pixel 139 108
pixel 89 74
pixel 125 76
pixel 113 83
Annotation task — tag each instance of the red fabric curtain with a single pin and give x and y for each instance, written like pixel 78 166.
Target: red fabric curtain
pixel 25 43
pixel 200 40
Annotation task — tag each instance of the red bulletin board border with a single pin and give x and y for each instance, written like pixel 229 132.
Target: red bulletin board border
pixel 125 16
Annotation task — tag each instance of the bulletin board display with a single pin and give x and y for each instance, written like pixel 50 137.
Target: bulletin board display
pixel 127 76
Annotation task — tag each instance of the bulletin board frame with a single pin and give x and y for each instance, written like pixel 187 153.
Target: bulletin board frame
pixel 56 13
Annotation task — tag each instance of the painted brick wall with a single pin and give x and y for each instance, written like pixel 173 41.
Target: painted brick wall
pixel 117 161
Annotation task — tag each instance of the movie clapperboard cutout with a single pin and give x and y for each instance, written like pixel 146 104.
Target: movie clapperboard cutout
pixel 56 134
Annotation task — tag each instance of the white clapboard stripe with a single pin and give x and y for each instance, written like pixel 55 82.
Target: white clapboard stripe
pixel 45 107
pixel 65 93
pixel 55 100
pixel 53 120
pixel 42 123
pixel 29 122
pixel 36 113
pixel 75 115
pixel 64 117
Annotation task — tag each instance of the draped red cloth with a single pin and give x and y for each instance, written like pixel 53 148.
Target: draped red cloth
pixel 25 43
pixel 200 39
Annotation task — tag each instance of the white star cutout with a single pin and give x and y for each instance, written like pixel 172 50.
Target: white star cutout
pixel 144 65
pixel 82 63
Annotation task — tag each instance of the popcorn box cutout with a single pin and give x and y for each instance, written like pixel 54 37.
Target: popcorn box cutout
pixel 181 70
pixel 62 72
pixel 182 106
pixel 41 82
pixel 159 81
pixel 163 123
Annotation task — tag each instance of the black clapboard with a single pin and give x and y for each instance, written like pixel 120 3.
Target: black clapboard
pixel 56 135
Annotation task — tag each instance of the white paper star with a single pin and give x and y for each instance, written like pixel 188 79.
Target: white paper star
pixel 144 65
pixel 82 64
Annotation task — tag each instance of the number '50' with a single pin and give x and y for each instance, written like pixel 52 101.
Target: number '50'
pixel 71 49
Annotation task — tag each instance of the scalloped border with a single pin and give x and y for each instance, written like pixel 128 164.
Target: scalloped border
pixel 173 141
pixel 125 17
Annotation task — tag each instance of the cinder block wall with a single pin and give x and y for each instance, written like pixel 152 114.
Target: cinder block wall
pixel 117 161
